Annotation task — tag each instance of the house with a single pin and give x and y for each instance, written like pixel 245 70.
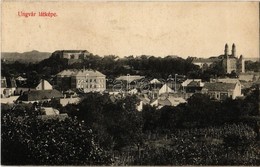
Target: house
pixel 49 111
pixel 230 80
pixel 142 101
pixel 64 79
pixel 32 96
pixel 203 63
pixel 222 91
pixel 155 84
pixel 3 86
pixel 165 89
pixel 129 78
pixel 191 84
pixel 128 82
pixel 70 100
pixel 21 79
pixel 81 80
pixel 194 87
pixel 41 85
pixel 167 101
pixel 226 80
pixel 8 87
pixel 89 81
pixel 249 77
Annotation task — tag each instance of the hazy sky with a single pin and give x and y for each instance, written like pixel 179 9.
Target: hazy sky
pixel 133 28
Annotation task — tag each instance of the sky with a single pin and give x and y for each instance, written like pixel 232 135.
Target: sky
pixel 185 29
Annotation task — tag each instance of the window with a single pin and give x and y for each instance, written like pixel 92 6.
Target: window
pixel 72 56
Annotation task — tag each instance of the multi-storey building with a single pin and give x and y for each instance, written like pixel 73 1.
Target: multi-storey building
pixel 82 80
pixel 71 54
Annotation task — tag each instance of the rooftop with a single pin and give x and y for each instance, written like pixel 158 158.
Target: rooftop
pixel 218 86
pixel 88 73
pixel 75 72
pixel 35 95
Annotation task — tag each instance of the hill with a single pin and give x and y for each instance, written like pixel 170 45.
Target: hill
pixel 26 57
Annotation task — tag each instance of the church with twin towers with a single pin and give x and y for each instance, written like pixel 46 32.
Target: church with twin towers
pixel 231 63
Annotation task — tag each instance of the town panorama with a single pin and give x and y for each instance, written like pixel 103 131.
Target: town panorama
pixel 73 107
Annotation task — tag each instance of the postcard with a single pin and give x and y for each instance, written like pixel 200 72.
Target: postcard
pixel 130 83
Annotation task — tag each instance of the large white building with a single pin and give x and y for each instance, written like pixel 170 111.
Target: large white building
pixel 82 80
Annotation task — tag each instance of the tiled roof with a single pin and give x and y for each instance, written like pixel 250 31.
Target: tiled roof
pixel 155 81
pixel 24 84
pixel 187 81
pixel 164 102
pixel 228 80
pixel 194 84
pixel 176 100
pixel 89 73
pixel 35 95
pixel 84 73
pixel 66 72
pixel 50 111
pixel 130 78
pixel 219 86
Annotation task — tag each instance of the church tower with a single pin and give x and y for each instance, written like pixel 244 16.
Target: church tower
pixel 226 50
pixel 233 50
pixel 241 64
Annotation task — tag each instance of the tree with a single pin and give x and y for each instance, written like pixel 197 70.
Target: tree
pixel 32 141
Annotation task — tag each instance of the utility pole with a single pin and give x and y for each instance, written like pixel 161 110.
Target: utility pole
pixel 175 79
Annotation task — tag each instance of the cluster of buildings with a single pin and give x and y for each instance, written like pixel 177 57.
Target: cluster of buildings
pixel 70 84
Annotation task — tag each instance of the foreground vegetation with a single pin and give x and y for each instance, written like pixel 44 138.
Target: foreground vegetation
pixel 102 131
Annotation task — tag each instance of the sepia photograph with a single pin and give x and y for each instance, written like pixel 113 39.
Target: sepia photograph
pixel 120 83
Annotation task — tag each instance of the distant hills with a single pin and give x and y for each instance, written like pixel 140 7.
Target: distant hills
pixel 26 57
